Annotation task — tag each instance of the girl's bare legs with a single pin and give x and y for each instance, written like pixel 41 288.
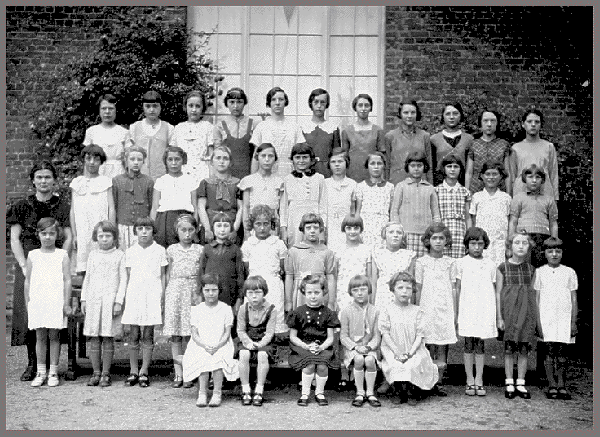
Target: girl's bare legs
pixel 41 346
pixel 244 365
pixel 94 354
pixel 108 351
pixel 469 368
pixel 134 343
pixel 215 400
pixel 202 387
pixel 147 348
pixel 261 372
pixel 359 374
pixel 176 352
pixel 479 363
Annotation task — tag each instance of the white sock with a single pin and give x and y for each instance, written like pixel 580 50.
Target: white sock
pixel 53 369
pixel 521 385
pixel 245 388
pixel 306 383
pixel 370 378
pixel 359 379
pixel 321 381
pixel 41 368
pixel 259 389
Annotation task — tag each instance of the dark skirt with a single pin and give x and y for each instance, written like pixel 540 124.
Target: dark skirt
pixel 254 353
pixel 300 358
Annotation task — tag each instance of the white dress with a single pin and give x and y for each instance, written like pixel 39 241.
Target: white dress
pixel 375 210
pixel 144 289
pixel 194 139
pixel 388 263
pixel 477 301
pixel 492 216
pixel 46 290
pixel 337 199
pixel 112 141
pixel 211 323
pixel 555 286
pixel 351 261
pixel 90 203
pixel 264 259
pixel 437 302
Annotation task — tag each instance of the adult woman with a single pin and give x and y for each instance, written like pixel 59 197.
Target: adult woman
pixel 279 130
pixel 235 131
pixel 361 138
pixel 108 135
pixel 22 219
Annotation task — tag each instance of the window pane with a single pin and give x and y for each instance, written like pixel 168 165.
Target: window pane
pixel 288 84
pixel 258 87
pixel 341 55
pixel 261 19
pixel 229 53
pixel 204 18
pixel 366 56
pixel 230 19
pixel 367 20
pixel 342 121
pixel 305 86
pixel 281 21
pixel 341 92
pixel 311 19
pixel 309 61
pixel 261 54
pixel 341 20
pixel 286 52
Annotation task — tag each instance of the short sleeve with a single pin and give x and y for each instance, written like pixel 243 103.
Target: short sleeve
pixel 195 316
pixel 506 203
pixel 515 207
pixel 537 284
pixel 456 269
pixel 228 315
pixel 159 184
pixel 332 320
pixel 359 192
pixel 17 213
pixel 170 252
pixel 281 249
pixel 419 271
pixel 163 256
pixel 202 189
pixel 383 323
pixel 572 283
pixel 293 320
pixel 329 262
pixel 492 270
pixel 245 183
pixel 246 251
pixel 474 204
pixel 129 256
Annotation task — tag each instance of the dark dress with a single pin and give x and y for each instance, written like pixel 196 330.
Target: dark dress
pixel 322 144
pixel 221 196
pixel 519 308
pixel 241 151
pixel 224 260
pixel 27 213
pixel 359 144
pixel 312 324
pixel 256 333
pixel 442 146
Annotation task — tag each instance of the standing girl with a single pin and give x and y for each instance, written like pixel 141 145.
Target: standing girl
pixel 339 199
pixel 264 255
pixel 362 138
pixel 91 202
pixel 311 338
pixel 174 194
pixel 109 136
pixel 490 209
pixel 47 295
pixel 406 138
pixel 102 296
pixel 211 348
pixel 454 201
pixel 195 137
pixel 373 200
pixel 415 202
pixel 476 309
pixel 436 295
pixel 146 264
pixel 517 311
pixel 302 193
pixel 182 282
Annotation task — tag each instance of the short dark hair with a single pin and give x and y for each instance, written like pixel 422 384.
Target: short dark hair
pixel 380 154
pixel 491 165
pixel 302 149
pixel 152 97
pixel 362 96
pixel 42 165
pixel 106 226
pixel 338 151
pixel 209 279
pixel 496 113
pixel 274 91
pixel 309 218
pixel 434 228
pixel 259 210
pixel 174 149
pixel 317 92
pixel 402 276
pixel 452 159
pixel 412 103
pixel 110 98
pixel 353 220
pixel 416 156
pixel 359 281
pixel 255 282
pixel 221 217
pixel 195 93
pixel 264 146
pixel 313 279
pixel 552 243
pixel 48 222
pixel 144 221
pixel 235 93
pixel 533 111
pixel 93 150
pixel 533 170
pixel 458 106
pixel 475 234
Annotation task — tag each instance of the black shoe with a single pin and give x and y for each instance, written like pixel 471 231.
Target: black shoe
pixel 28 374
pixel 303 402
pixel 143 380
pixel 72 371
pixel 438 391
pixel 321 400
pixel 132 380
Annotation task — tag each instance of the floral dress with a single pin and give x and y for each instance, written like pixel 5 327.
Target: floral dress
pixel 375 211
pixel 492 211
pixel 388 263
pixel 351 261
pixel 195 139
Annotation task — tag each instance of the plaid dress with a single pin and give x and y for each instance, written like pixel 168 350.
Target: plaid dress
pixel 452 201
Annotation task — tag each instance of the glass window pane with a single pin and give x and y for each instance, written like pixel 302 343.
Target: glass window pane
pixel 342 121
pixel 261 19
pixel 288 84
pixel 341 20
pixel 204 18
pixel 367 20
pixel 286 53
pixel 309 61
pixel 286 19
pixel 261 54
pixel 311 19
pixel 258 87
pixel 229 53
pixel 230 19
pixel 366 56
pixel 305 85
pixel 341 90
pixel 341 55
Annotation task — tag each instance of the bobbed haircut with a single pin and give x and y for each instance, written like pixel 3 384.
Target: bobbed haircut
pixel 352 220
pixel 174 149
pixel 93 150
pixel 339 151
pixel 362 96
pixel 235 93
pixel 43 165
pixel 417 156
pixel 475 233
pixel 493 111
pixel 265 146
pixel 48 222
pixel 493 165
pixel 259 210
pixel 255 282
pixel 317 92
pixel 412 103
pixel 222 217
pixel 402 276
pixel 384 229
pixel 458 106
pixel 435 228
pixel 452 159
pixel 380 154
pixel 274 91
pixel 128 150
pixel 302 149
pixel 359 281
pixel 309 218
pixel 195 93
pixel 106 226
pixel 313 279
pixel 552 243
pixel 523 232
pixel 533 170
pixel 185 218
pixel 152 97
pixel 110 98
pixel 209 279
pixel 533 111
pixel 143 222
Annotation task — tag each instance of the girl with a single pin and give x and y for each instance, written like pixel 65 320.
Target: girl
pixel 220 193
pixel 152 134
pixel 415 202
pixel 195 137
pixel 132 193
pixel 184 262
pixel 302 193
pixel 486 148
pixel 339 199
pixel 351 260
pixel 476 310
pixel 279 130
pixel 47 295
pixel 91 202
pixel 515 300
pixel 146 264
pixel 235 131
pixel 490 209
pixel 264 255
pixel 406 138
pixel 389 260
pixel 373 200
pixel 360 339
pixel 309 256
pixel 534 150
pixel 255 329
pixel 262 187
pixel 556 293
pixel 109 136
pixel 436 295
pixel 406 362
pixel 102 296
pixel 211 348
pixel 223 258
pixel 174 194
pixel 323 136
pixel 450 140
pixel 311 338
pixel 362 138
pixel 454 201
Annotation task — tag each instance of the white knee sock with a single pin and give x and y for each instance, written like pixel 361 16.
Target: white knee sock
pixel 370 378
pixel 321 381
pixel 306 383
pixel 359 379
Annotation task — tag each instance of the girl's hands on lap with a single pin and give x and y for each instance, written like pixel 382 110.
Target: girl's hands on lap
pixel 363 350
pixel 116 309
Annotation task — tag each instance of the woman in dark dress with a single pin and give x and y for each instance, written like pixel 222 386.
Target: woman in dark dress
pixel 22 218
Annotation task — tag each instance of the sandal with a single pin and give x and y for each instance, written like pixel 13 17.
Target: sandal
pixel 470 390
pixel 246 399
pixel 552 393
pixel 480 391
pixel 258 400
pixel 143 380
pixel 94 380
pixel 563 394
pixel 177 382
pixel 373 401
pixel 105 380
pixel 132 380
pixel 358 401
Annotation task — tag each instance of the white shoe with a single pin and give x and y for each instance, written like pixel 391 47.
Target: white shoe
pixel 39 380
pixel 53 380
